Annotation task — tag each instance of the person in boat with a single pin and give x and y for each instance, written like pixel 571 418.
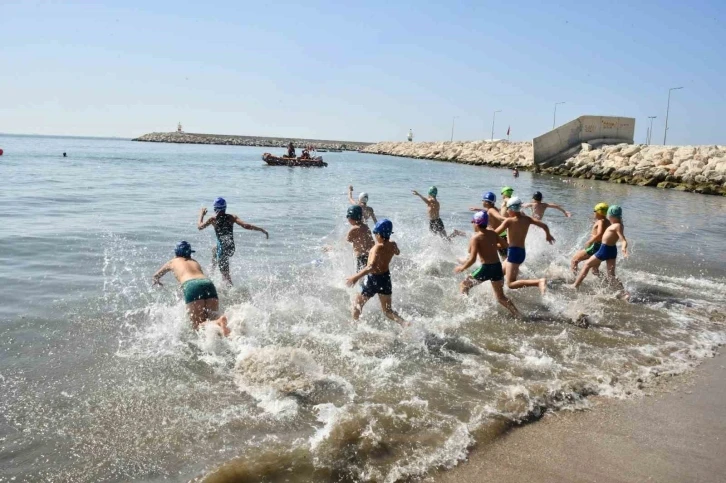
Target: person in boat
pixel 436 225
pixel 363 203
pixel 223 228
pixel 200 295
pixel 291 151
pixel 305 154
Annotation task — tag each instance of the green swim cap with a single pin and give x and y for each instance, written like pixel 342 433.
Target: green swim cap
pixel 615 211
pixel 507 190
pixel 433 191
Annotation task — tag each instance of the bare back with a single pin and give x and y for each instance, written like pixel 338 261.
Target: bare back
pixel 596 227
pixel 538 209
pixel 380 256
pixel 185 269
pixel 518 229
pixel 361 238
pixel 486 246
pixel 433 207
pixel 494 222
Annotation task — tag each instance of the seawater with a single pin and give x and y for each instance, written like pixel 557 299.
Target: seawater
pixel 103 380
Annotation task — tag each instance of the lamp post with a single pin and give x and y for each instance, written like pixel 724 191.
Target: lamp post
pixel 650 132
pixel 665 133
pixel 493 119
pixel 554 116
pixel 452 128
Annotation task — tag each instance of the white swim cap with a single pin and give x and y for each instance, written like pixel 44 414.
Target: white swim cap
pixel 514 203
pixel 363 197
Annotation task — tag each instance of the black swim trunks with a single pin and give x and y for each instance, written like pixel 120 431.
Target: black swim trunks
pixel 361 262
pixel 489 271
pixel 377 284
pixel 437 226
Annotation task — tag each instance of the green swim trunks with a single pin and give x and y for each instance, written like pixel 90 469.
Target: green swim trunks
pixel 593 248
pixel 198 289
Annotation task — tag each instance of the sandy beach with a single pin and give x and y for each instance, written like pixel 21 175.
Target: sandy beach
pixel 676 434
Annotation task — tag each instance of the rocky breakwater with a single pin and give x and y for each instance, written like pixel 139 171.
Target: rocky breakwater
pixel 257 141
pixel 701 169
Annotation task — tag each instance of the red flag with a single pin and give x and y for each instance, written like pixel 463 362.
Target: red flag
pixel 510 127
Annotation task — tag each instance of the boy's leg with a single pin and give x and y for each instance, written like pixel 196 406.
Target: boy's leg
pixel 467 284
pixel 358 303
pixel 212 309
pixel 197 312
pixel 510 275
pixel 498 288
pixel 580 256
pixel 388 310
pixel 223 260
pixel 611 278
pixel 592 263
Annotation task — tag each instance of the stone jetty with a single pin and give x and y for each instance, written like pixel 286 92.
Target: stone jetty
pixel 192 138
pixel 701 169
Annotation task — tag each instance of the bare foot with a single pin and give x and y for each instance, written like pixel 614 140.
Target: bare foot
pixel 542 285
pixel 222 323
pixel 405 324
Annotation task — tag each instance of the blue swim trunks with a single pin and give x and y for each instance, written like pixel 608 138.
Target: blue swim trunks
pixel 516 255
pixel 377 284
pixel 607 252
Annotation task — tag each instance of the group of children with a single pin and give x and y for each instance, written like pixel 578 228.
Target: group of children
pixel 499 237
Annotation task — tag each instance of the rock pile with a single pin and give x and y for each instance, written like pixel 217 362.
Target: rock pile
pixel 191 138
pixel 689 168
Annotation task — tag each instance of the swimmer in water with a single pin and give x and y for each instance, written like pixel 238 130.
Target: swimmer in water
pixel 515 172
pixel 484 245
pixel 517 227
pixel 359 236
pixel 488 201
pixel 363 203
pixel 608 250
pixel 377 274
pixel 592 245
pixel 539 208
pixel 223 228
pixel 436 225
pixel 200 295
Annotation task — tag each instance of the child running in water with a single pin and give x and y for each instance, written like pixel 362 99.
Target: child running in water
pixel 360 236
pixel 592 245
pixel 539 208
pixel 507 193
pixel 377 273
pixel 436 225
pixel 608 250
pixel 223 228
pixel 489 201
pixel 363 203
pixel 517 228
pixel 484 245
pixel 200 295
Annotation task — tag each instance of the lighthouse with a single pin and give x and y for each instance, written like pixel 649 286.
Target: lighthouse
pixel 179 128
pixel 410 135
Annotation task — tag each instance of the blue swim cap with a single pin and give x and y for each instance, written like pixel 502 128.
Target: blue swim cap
pixel 220 204
pixel 489 196
pixel 384 228
pixel 481 218
pixel 183 249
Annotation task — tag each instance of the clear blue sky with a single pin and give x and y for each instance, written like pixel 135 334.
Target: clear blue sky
pixel 363 72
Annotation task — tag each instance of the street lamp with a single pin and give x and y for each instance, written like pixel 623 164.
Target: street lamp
pixel 665 133
pixel 493 118
pixel 650 132
pixel 554 116
pixel 452 128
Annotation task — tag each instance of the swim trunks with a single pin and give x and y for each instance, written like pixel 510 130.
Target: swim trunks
pixel 361 262
pixel 198 289
pixel 592 249
pixel 377 284
pixel 607 252
pixel 489 271
pixel 516 255
pixel 437 226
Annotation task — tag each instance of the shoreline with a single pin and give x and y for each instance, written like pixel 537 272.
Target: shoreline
pixel 676 432
pixel 253 141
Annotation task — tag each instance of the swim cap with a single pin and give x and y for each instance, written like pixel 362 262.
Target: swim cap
pixel 220 204
pixel 537 196
pixel 384 228
pixel 480 218
pixel 355 212
pixel 433 191
pixel 615 211
pixel 489 196
pixel 183 249
pixel 514 204
pixel 601 208
pixel 363 197
pixel 507 190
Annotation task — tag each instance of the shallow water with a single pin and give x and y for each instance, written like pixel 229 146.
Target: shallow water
pixel 103 379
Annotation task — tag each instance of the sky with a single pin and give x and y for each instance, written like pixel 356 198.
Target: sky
pixel 368 71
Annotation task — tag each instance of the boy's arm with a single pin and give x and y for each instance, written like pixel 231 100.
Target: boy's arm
pixel 350 281
pixel 470 260
pixel 160 273
pixel 416 193
pixel 558 207
pixel 373 215
pixel 621 234
pixel 247 226
pixel 494 213
pixel 396 251
pixel 597 236
pixel 550 238
pixel 201 224
pixel 350 195
pixel 502 227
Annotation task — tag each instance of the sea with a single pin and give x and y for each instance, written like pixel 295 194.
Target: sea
pixel 103 379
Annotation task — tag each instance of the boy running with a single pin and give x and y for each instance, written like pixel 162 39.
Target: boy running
pixel 363 203
pixel 484 245
pixel 489 200
pixel 517 227
pixel 378 276
pixel 200 295
pixel 539 208
pixel 223 228
pixel 436 225
pixel 360 236
pixel 592 245
pixel 507 193
pixel 608 250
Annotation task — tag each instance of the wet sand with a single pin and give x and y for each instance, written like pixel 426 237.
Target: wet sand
pixel 677 434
